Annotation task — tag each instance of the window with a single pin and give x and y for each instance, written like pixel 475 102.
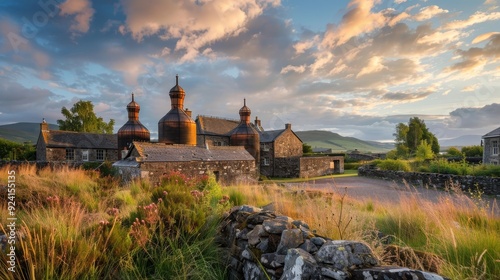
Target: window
pixel 265 147
pixel 332 164
pixel 70 154
pixel 85 155
pixel 265 161
pixel 494 147
pixel 100 155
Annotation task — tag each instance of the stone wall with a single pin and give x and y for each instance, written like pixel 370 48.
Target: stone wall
pixel 226 172
pixel 488 156
pixel 320 166
pixel 264 245
pixel 287 145
pixel 489 185
pixel 288 167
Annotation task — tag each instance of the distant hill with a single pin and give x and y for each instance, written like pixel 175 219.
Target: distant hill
pixel 22 132
pixel 464 140
pixel 338 143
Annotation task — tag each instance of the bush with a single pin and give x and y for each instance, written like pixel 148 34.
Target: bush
pixel 443 166
pixel 487 170
pixel 394 164
pixel 352 165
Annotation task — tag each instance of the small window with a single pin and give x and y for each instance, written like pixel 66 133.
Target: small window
pixel 70 154
pixel 265 161
pixel 494 147
pixel 332 164
pixel 100 155
pixel 85 155
pixel 265 147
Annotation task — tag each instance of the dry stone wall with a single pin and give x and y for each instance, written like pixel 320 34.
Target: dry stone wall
pixel 264 245
pixel 489 185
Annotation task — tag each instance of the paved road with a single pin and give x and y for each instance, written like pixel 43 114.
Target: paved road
pixel 379 190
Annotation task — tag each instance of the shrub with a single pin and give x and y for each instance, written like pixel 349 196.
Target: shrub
pixel 443 166
pixel 394 164
pixel 487 170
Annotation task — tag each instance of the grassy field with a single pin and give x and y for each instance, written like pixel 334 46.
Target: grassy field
pixel 137 231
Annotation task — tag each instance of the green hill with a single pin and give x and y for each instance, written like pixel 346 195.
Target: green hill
pixel 338 143
pixel 22 132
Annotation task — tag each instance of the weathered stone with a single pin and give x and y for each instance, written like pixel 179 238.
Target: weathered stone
pixel 344 255
pixel 258 218
pixel 242 216
pixel 242 234
pixel 263 246
pixel 299 264
pixel 250 209
pixel 253 235
pixel 308 246
pixel 306 233
pixel 290 238
pixel 273 242
pixel 300 223
pixel 276 226
pixel 334 274
pixel 247 255
pixel 263 232
pixel 394 273
pixel 318 241
pixel 284 218
pixel 252 271
pixel 272 260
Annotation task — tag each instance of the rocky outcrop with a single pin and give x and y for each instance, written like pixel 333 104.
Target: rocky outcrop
pixel 262 244
pixel 488 185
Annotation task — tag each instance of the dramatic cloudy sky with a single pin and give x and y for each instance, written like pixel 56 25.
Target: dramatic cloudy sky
pixel 354 67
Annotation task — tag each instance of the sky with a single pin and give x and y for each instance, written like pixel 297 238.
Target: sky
pixel 357 68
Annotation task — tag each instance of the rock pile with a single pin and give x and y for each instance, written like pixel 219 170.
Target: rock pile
pixel 265 245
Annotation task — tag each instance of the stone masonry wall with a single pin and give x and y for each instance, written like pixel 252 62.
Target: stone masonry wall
pixel 320 166
pixel 489 185
pixel 227 172
pixel 264 245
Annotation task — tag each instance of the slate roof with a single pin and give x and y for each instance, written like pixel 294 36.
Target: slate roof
pixel 158 152
pixel 81 140
pixel 214 125
pixel 494 133
pixel 270 135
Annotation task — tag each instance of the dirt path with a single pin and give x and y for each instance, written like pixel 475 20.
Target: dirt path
pixel 364 188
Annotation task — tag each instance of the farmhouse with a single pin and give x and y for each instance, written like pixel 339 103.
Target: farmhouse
pixel 491 142
pixel 233 150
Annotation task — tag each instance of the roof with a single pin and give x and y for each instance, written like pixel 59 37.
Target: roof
pixel 494 133
pixel 270 135
pixel 214 125
pixel 160 152
pixel 82 140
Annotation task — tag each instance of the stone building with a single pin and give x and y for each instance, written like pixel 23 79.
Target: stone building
pixel 491 142
pixel 230 164
pixel 74 147
pixel 280 153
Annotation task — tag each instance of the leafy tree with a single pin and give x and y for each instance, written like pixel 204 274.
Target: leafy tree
pixel 14 151
pixel 306 148
pixel 424 151
pixel 473 151
pixel 81 117
pixel 409 137
pixel 454 152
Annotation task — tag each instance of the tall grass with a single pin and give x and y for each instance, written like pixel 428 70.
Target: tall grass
pixel 73 224
pixel 461 232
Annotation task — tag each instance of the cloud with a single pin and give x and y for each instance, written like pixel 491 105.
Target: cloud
pixel 289 68
pixel 477 17
pixel 484 37
pixel 470 88
pixel 429 12
pixel 476 58
pixel 82 11
pixel 475 117
pixel 194 24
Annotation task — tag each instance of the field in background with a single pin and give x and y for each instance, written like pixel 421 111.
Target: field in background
pixel 140 231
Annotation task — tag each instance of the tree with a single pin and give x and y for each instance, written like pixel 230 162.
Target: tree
pixel 409 137
pixel 454 152
pixel 424 151
pixel 81 117
pixel 306 148
pixel 472 151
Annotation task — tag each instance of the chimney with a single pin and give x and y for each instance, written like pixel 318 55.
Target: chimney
pixel 188 112
pixel 257 122
pixel 44 126
pixel 288 126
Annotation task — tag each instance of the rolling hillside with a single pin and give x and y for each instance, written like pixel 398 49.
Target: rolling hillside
pixel 338 143
pixel 22 132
